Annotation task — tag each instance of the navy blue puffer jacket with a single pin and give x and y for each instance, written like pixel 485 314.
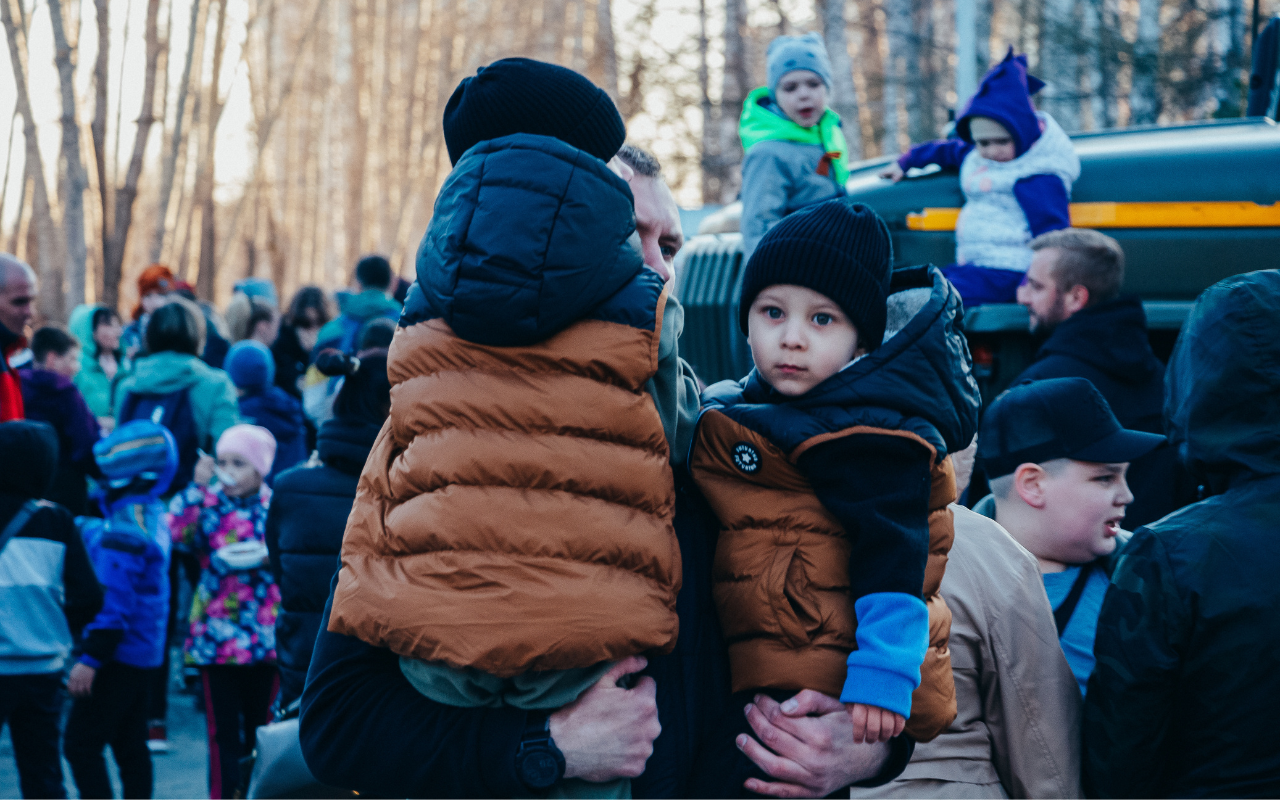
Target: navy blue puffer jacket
pixel 308 515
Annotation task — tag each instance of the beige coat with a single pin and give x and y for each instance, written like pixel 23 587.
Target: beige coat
pixel 1017 733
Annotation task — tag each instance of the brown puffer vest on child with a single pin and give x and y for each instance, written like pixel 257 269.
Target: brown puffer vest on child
pixel 515 513
pixel 781 575
pixel 782 571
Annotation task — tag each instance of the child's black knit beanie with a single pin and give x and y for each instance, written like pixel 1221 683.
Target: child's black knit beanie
pixel 520 95
pixel 840 249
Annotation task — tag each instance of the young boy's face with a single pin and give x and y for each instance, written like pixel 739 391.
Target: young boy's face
pixel 237 476
pixel 992 139
pixel 802 96
pixel 799 338
pixel 67 365
pixel 1084 504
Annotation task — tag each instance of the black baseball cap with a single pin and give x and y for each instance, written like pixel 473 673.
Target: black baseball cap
pixel 1039 421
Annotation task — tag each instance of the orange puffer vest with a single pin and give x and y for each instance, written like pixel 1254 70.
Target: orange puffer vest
pixel 516 511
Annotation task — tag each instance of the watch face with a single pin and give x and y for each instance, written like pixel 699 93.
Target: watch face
pixel 539 768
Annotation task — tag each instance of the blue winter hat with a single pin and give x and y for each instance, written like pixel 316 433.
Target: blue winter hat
pixel 250 365
pixel 790 53
pixel 1005 96
pixel 260 288
pixel 140 449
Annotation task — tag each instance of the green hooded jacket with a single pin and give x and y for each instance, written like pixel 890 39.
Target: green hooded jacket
pixel 759 123
pixel 362 307
pixel 215 405
pixel 785 168
pixel 97 388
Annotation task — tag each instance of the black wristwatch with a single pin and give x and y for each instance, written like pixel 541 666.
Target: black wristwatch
pixel 539 763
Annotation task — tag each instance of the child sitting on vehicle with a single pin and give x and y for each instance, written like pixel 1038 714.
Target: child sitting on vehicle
pixel 1056 458
pixel 1016 170
pixel 512 536
pixel 828 469
pixel 796 153
pixel 125 643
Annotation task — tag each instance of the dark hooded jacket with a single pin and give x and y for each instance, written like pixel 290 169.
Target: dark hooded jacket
pixel 1186 691
pixel 835 501
pixel 280 413
pixel 309 509
pixel 58 593
pixel 1107 345
pixel 55 399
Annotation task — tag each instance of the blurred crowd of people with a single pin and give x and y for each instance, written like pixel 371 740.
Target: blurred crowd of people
pixel 159 458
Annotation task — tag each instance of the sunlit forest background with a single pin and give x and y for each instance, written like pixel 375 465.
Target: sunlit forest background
pixel 283 138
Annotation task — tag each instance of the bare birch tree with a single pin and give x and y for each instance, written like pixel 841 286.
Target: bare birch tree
pixel 48 260
pixel 76 179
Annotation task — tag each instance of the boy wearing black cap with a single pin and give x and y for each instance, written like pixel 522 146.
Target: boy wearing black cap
pixel 1057 458
pixel 827 467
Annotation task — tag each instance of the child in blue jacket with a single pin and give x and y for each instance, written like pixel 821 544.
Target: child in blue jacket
pixel 1016 169
pixel 253 370
pixel 125 642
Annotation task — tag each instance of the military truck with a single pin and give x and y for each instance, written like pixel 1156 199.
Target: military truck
pixel 1191 204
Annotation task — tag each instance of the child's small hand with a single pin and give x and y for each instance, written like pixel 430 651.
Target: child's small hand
pixel 873 724
pixel 893 172
pixel 203 472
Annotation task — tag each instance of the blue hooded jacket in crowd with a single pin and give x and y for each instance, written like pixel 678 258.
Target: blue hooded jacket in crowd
pixel 309 508
pixel 1107 345
pixel 130 550
pixel 363 724
pixel 1186 692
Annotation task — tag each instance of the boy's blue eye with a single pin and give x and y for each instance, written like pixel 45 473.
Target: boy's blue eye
pixel 773 312
pixel 823 319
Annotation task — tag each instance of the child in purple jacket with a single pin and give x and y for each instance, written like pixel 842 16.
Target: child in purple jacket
pixel 49 395
pixel 1016 170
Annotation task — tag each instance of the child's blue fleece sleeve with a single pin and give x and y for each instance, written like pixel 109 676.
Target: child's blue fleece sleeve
pixel 878 487
pixel 1044 200
pixel 946 153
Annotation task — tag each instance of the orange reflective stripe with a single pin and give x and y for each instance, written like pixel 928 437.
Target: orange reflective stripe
pixel 1212 214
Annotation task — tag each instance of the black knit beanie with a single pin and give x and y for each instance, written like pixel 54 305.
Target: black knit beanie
pixel 520 95
pixel 840 249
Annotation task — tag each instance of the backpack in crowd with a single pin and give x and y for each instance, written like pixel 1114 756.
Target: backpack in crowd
pixel 173 411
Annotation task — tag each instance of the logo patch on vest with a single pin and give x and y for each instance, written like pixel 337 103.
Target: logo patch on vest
pixel 746 457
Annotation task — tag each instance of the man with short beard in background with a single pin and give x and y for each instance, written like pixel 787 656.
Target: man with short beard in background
pixel 1073 294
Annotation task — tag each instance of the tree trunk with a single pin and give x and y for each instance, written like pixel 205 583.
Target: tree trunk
pixel 844 100
pixel 1060 63
pixel 77 180
pixel 98 127
pixel 734 89
pixel 126 194
pixel 47 262
pixel 1144 94
pixel 169 169
pixel 903 59
pixel 205 278
pixel 606 50
pixel 357 150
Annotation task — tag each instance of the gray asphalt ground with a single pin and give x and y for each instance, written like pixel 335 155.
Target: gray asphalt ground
pixel 180 773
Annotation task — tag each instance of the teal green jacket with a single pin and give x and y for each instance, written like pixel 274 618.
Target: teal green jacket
pixel 213 398
pixel 92 381
pixel 360 308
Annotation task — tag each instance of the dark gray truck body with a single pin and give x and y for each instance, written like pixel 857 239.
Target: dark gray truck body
pixel 1190 204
